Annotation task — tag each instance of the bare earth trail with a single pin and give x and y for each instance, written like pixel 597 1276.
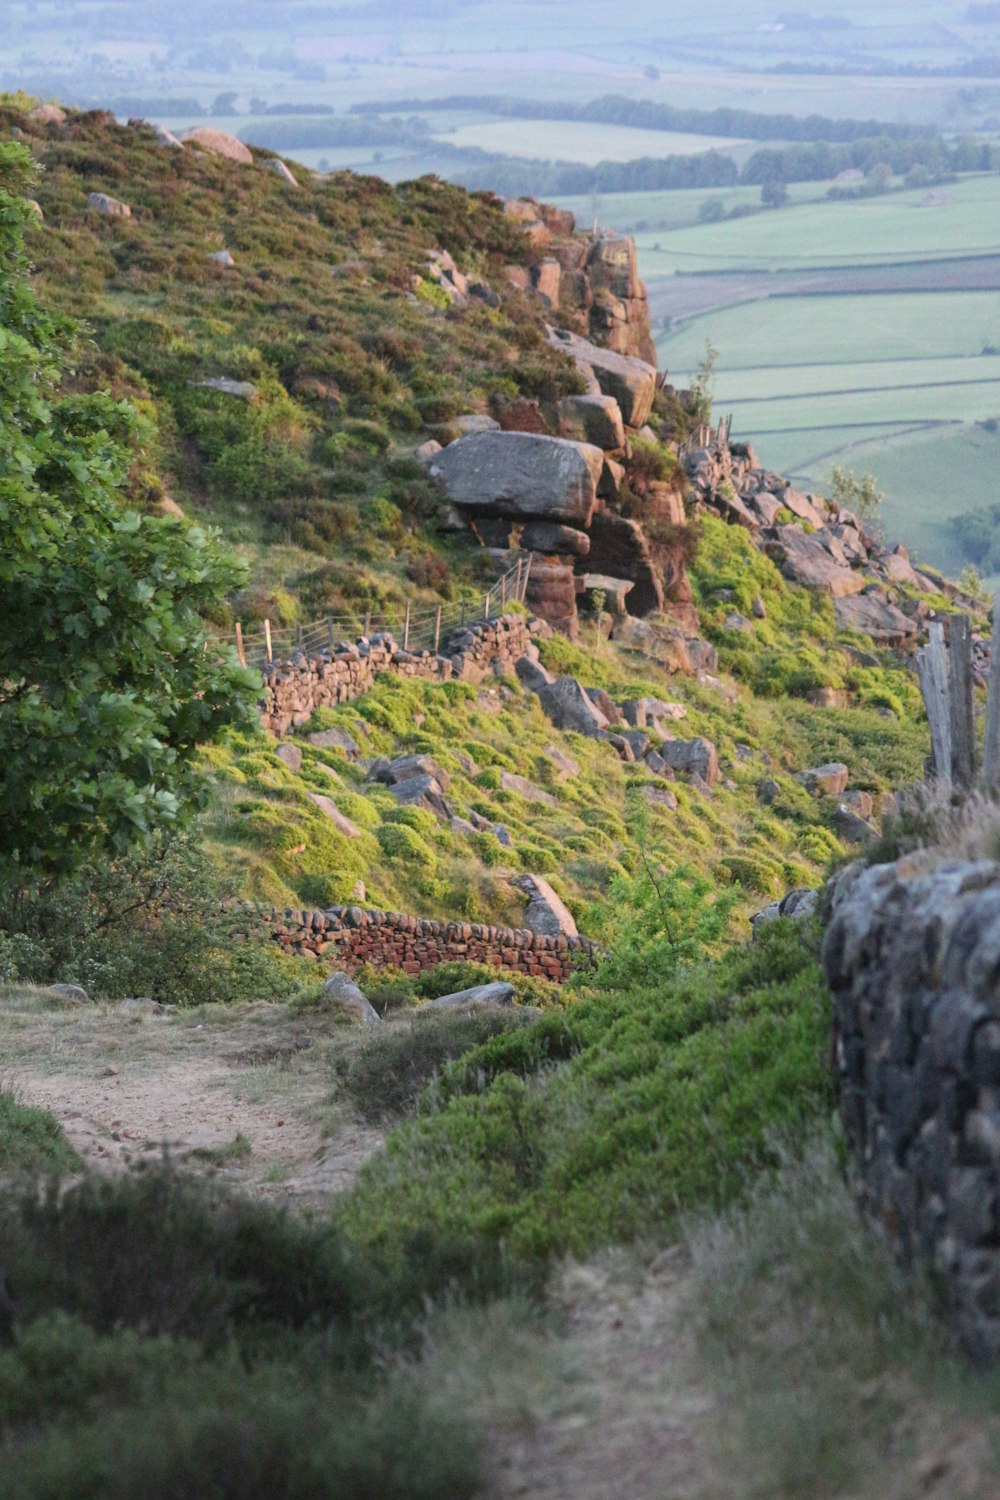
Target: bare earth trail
pixel 245 1092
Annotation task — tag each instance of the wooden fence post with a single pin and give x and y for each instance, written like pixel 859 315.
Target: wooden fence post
pixel 437 630
pixel 267 638
pixel 991 749
pixel 368 624
pixel 486 606
pixel 932 669
pixel 963 732
pixel 239 644
pixel 331 639
pixel 503 594
pixel 406 627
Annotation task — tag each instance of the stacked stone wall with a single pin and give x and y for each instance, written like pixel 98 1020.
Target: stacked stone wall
pixel 294 689
pixel 345 937
pixel 913 961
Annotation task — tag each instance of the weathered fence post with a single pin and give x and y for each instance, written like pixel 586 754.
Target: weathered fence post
pixel 267 639
pixel 368 624
pixel 406 627
pixel 331 639
pixel 932 669
pixel 991 749
pixel 437 630
pixel 963 731
pixel 239 644
pixel 503 594
pixel 486 606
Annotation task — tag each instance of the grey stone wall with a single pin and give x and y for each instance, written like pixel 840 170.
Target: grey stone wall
pixel 913 961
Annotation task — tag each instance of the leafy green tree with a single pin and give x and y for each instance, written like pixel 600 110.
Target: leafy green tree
pixel 862 496
pixel 109 680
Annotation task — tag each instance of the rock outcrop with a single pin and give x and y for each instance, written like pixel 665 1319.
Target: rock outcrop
pixel 521 475
pixel 218 143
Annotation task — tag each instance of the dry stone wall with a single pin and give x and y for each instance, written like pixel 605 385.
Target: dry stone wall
pixel 913 961
pixel 294 689
pixel 345 937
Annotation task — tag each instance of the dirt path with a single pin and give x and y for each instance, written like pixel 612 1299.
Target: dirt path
pixel 629 1417
pixel 245 1093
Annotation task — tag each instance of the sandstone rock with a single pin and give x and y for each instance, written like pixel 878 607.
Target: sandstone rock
pixel 569 707
pixel 695 758
pixel 340 822
pixel 805 560
pixel 511 782
pixel 646 713
pixel 897 568
pixel 661 796
pixel 422 791
pixel 291 755
pixel 665 644
pixel 218 143
pixel 389 773
pixel 852 828
pixel 874 616
pixel 344 997
pixel 222 258
pixel 532 673
pixel 522 415
pixel 551 593
pixel 592 419
pixel 427 452
pixel 111 208
pixel 632 382
pixel 831 778
pixel 862 803
pixel 166 137
pixel 798 904
pixel 521 474
pixel 277 166
pixel 546 913
pixel 566 767
pixel 768 790
pixel 611 480
pixel 766 506
pixel 619 548
pixel 498 993
pixel 47 114
pixel 801 505
pixel 549 536
pixel 335 739
pixel 546 279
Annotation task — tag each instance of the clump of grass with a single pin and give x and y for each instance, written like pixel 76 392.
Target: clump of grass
pixel 32 1140
pixel 385 1075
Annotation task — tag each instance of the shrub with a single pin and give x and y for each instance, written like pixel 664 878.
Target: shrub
pixel 32 1140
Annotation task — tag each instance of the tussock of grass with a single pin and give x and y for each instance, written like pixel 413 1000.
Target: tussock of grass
pixel 31 1140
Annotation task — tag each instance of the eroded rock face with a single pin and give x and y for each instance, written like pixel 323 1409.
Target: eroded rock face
pixel 549 536
pixel 111 208
pixel 521 474
pixel 804 559
pixel 874 616
pixel 631 381
pixel 569 707
pixel 693 758
pixel 344 997
pixel 619 547
pixel 831 778
pixel 593 419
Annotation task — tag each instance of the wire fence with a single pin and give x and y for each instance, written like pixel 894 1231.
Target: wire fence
pixel 414 628
pixel 704 437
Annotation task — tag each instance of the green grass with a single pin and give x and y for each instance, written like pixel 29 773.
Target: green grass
pixel 895 228
pixel 31 1140
pixel 670 1080
pixel 645 213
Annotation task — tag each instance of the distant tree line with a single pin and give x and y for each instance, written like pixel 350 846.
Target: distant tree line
pixel 645 114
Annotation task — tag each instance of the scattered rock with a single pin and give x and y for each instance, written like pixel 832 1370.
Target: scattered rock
pixel 48 114
pixel 569 707
pixel 277 166
pixel 768 790
pixel 660 796
pixel 340 822
pixel 335 739
pixel 243 390
pixel 592 419
pixel 404 767
pixel 73 992
pixel 631 381
pixel 531 672
pixel 167 138
pixel 546 913
pixel 694 758
pixel 831 778
pixel 498 993
pixel 874 616
pixel 344 997
pixel 422 791
pixel 291 755
pixel 566 767
pixel 804 559
pixel 549 536
pixel 218 143
pixel 799 904
pixel 222 258
pixel 852 828
pixel 510 782
pixel 111 208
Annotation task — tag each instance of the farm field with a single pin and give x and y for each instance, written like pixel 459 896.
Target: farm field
pixel 644 213
pixel 581 140
pixel 961 219
pixel 819 374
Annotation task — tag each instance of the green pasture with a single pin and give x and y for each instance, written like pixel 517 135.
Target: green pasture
pixel 832 381
pixel 846 330
pixel 645 213
pixel 961 219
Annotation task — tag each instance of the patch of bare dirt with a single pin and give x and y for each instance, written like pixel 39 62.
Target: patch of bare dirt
pixel 246 1093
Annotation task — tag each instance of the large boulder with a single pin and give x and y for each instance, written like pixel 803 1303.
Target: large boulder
pixel 340 822
pixel 631 381
pixel 874 616
pixel 551 593
pixel 569 707
pixel 422 791
pixel 218 143
pixel 404 767
pixel 277 166
pixel 666 644
pixel 522 787
pixel 521 474
pixel 620 548
pixel 546 914
pixel 804 559
pixel 344 997
pixel 831 778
